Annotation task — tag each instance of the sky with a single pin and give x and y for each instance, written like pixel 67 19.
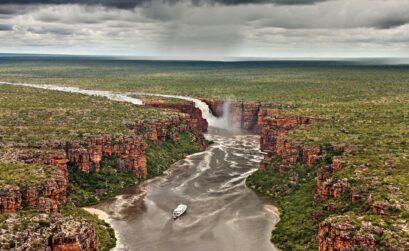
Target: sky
pixel 201 29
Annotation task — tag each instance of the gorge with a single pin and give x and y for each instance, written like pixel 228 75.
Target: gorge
pixel 223 212
pixel 214 178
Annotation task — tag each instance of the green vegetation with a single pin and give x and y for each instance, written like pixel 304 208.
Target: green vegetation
pixel 363 106
pixel 18 173
pixel 29 115
pixel 86 189
pixel 29 224
pixel 293 193
pixel 104 232
pixel 160 157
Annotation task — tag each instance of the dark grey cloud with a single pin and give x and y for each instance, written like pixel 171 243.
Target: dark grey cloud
pixel 278 2
pixel 392 22
pixel 126 4
pixel 202 28
pixel 51 30
pixel 5 27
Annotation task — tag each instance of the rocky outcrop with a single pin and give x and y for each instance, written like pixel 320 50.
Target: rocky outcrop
pixel 187 107
pixel 10 199
pixel 337 233
pixel 53 231
pixel 159 131
pixel 129 151
pixel 86 155
pixel 51 154
pixel 326 186
pixel 274 143
pixel 47 232
pixel 242 115
pixel 45 195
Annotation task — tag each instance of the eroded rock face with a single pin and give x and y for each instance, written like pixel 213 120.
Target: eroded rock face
pixel 51 154
pixel 187 107
pixel 326 187
pixel 47 232
pixel 337 233
pixel 274 143
pixel 243 115
pixel 130 152
pixel 10 199
pixel 45 195
pixel 169 129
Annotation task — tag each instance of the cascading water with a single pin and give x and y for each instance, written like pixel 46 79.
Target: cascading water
pixel 223 122
pixel 223 214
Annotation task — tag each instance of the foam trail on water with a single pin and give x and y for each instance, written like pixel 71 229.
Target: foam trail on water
pixel 217 122
pixel 110 95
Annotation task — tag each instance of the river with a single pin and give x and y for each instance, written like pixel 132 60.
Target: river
pixel 223 214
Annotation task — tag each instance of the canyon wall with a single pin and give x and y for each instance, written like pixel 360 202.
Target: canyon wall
pixel 46 195
pixel 336 232
pixel 243 115
pixel 44 231
pixel 183 106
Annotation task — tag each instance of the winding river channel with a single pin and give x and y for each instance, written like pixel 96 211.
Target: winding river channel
pixel 223 214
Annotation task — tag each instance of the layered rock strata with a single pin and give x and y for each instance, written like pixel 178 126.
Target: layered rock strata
pixel 58 232
pixel 242 115
pixel 337 232
pixel 47 232
pixel 45 195
pixel 187 107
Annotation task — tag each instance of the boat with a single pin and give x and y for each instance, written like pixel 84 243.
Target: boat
pixel 181 209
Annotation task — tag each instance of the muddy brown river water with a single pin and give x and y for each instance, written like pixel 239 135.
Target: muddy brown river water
pixel 223 214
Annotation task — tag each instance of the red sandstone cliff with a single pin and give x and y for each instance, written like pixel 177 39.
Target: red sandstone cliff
pixel 187 107
pixel 336 232
pixel 243 115
pixel 46 194
pixel 47 232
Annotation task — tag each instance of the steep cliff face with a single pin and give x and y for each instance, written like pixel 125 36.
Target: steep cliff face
pixel 187 107
pixel 333 196
pixel 337 233
pixel 243 115
pixel 10 199
pixel 47 232
pixel 274 143
pixel 45 195
pixel 129 151
pixel 169 129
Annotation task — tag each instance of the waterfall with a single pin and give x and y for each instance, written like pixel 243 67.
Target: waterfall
pixel 223 122
pixel 217 122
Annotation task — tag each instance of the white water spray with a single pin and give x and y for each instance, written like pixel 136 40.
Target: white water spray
pixel 223 122
pixel 217 122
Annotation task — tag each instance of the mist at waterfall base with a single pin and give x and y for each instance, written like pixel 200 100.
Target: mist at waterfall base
pixel 223 122
pixel 223 213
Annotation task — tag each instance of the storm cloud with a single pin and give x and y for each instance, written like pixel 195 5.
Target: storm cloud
pixel 207 28
pixel 133 3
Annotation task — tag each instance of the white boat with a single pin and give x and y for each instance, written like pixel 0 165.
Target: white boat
pixel 181 209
